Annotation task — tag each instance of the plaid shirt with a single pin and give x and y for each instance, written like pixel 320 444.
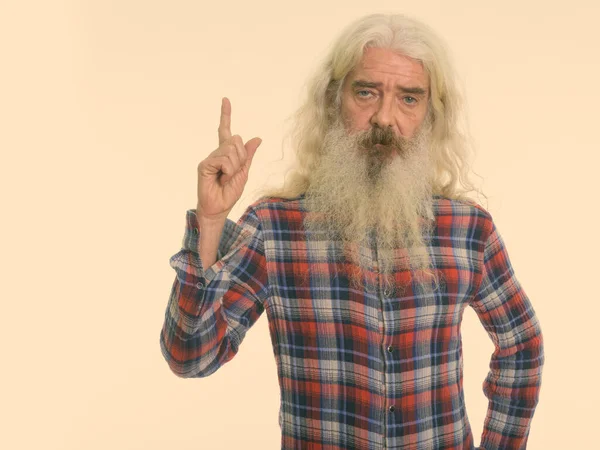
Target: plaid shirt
pixel 361 369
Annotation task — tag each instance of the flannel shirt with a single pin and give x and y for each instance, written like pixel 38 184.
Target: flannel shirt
pixel 365 369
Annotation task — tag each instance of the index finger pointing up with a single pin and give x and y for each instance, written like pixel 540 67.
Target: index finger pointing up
pixel 225 123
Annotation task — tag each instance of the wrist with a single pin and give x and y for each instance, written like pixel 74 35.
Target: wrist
pixel 211 221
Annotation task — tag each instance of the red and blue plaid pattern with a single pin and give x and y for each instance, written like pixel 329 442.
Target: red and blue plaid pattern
pixel 369 368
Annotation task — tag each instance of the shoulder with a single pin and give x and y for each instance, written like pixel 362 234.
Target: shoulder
pixel 267 206
pixel 464 213
pixel 273 212
pixel 460 206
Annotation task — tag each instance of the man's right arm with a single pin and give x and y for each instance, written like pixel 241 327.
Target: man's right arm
pixel 221 282
pixel 211 308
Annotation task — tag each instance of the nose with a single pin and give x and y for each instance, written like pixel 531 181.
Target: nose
pixel 384 115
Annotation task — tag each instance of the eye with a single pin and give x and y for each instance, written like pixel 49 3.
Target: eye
pixel 411 103
pixel 367 93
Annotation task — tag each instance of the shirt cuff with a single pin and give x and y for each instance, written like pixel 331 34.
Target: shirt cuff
pixel 190 243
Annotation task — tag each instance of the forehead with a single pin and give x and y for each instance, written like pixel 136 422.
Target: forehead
pixel 386 63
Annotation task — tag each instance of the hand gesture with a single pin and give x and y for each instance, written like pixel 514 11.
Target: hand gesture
pixel 224 173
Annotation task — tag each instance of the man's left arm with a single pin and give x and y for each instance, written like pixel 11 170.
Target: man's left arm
pixel 514 380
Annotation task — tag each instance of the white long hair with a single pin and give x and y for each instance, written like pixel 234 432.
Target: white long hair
pixel 451 144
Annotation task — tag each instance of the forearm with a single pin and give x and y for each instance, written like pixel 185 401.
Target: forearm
pixel 512 387
pixel 194 337
pixel 210 236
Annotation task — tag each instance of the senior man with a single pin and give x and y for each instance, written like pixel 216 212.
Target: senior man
pixel 364 260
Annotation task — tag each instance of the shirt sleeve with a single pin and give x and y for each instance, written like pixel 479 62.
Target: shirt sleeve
pixel 514 380
pixel 210 310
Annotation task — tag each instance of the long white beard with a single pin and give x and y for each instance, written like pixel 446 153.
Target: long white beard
pixel 356 191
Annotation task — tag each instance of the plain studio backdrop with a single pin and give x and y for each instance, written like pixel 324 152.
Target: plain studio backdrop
pixel 107 107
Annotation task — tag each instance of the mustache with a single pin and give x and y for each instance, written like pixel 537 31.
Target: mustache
pixel 382 136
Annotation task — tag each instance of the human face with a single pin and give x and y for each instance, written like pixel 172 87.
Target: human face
pixel 385 89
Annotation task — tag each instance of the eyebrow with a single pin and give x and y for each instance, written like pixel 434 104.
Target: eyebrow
pixel 370 84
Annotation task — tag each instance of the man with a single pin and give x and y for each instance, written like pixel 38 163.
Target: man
pixel 364 261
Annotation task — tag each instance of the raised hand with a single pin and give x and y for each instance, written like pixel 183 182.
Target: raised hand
pixel 224 173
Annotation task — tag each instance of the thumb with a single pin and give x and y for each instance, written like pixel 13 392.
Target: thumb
pixel 251 147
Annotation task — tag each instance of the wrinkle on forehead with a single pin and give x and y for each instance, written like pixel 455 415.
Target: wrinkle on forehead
pixel 391 63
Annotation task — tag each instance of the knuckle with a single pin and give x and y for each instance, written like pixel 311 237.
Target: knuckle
pixel 234 161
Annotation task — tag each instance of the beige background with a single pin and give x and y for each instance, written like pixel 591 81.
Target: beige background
pixel 107 107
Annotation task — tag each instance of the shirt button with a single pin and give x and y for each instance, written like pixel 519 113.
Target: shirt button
pixel 392 408
pixel 390 349
pixel 196 231
pixel 200 285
